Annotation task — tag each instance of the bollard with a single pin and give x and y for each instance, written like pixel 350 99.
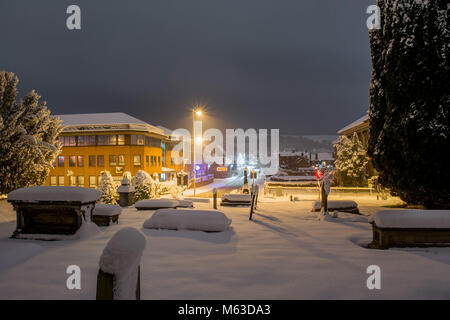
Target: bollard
pixel 324 197
pixel 251 207
pixel 256 196
pixel 120 266
pixel 105 285
pixel 215 198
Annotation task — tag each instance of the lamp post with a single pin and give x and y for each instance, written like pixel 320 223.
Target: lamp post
pixel 195 112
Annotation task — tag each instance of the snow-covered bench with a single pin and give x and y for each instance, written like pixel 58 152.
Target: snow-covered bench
pixel 43 211
pixel 334 205
pixel 188 219
pixel 106 214
pixel 410 228
pixel 232 199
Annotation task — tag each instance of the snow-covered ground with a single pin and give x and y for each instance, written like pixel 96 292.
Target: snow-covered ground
pixel 285 253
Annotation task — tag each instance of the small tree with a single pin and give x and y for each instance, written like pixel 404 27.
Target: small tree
pixel 352 162
pixel 28 137
pixel 108 188
pixel 158 187
pixel 173 189
pixel 144 186
pixel 127 175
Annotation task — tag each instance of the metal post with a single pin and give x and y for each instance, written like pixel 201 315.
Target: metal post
pixel 193 147
pixel 256 196
pixel 251 207
pixel 215 198
pixel 324 197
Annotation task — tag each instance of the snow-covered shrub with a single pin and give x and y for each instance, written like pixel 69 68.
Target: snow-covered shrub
pixel 158 187
pixel 173 189
pixel 144 186
pixel 127 175
pixel 352 164
pixel 28 137
pixel 108 188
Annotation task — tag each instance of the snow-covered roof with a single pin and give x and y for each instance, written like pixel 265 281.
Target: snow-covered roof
pixel 169 132
pixel 356 123
pixel 105 122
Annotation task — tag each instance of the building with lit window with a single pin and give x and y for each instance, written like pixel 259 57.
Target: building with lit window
pixel 116 142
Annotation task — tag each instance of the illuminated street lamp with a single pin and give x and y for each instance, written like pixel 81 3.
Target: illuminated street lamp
pixel 195 112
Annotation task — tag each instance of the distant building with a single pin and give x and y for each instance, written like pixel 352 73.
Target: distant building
pixel 361 127
pixel 116 142
pixel 322 159
pixel 291 160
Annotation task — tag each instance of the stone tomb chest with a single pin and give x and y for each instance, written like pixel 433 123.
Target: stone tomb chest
pixel 52 210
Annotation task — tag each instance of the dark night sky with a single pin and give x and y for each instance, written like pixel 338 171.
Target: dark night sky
pixel 301 66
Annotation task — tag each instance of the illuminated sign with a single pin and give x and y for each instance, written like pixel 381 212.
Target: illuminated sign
pixel 222 169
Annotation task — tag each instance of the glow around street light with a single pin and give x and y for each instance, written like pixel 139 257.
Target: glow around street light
pixel 198 112
pixel 199 140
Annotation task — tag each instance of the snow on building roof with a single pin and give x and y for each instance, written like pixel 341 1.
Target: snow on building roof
pixel 354 124
pixel 98 118
pixel 105 121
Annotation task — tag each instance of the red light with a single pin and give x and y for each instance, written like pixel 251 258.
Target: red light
pixel 318 174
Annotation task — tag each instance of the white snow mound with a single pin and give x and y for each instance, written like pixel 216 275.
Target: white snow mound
pixel 102 209
pixel 335 204
pixel 122 251
pixel 412 219
pixel 153 204
pixel 45 193
pixel 201 220
pixel 185 204
pixel 237 197
pixel 121 257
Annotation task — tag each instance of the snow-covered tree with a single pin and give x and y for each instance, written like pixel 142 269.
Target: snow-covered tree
pixel 173 189
pixel 108 188
pixel 158 187
pixel 28 137
pixel 352 162
pixel 127 175
pixel 144 186
pixel 410 100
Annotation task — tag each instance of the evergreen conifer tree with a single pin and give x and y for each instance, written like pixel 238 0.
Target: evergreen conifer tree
pixel 352 162
pixel 410 100
pixel 108 188
pixel 28 137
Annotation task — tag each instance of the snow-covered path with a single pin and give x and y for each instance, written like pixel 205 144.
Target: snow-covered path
pixel 285 253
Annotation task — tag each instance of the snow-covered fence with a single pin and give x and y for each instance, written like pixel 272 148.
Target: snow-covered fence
pixel 119 274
